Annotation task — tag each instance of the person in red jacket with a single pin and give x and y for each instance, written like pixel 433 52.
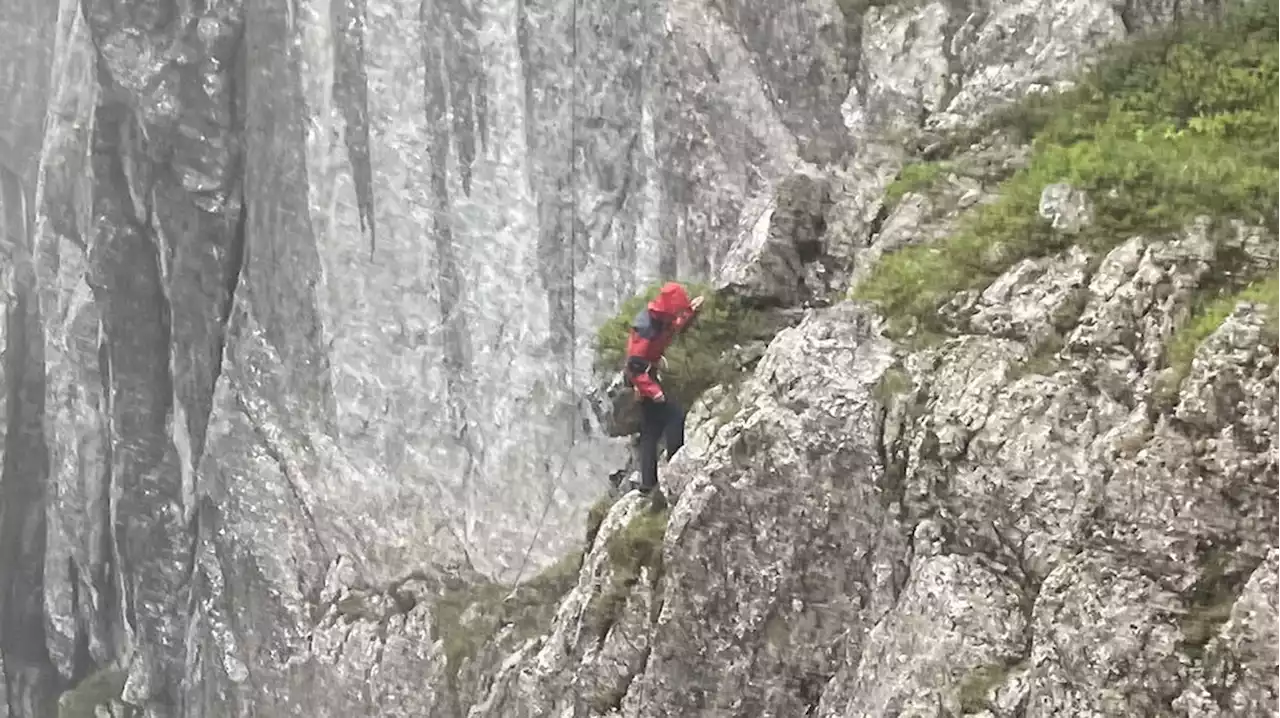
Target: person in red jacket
pixel 652 331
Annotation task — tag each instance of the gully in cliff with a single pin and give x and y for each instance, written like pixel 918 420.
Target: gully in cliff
pixel 669 314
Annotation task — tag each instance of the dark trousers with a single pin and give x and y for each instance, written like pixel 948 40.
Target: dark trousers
pixel 658 421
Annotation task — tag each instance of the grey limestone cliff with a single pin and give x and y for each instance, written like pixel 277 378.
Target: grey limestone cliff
pixel 299 308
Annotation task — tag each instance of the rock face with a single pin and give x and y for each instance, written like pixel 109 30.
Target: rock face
pixel 977 528
pixel 960 530
pixel 299 298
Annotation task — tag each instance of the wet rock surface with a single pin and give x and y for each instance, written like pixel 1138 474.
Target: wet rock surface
pixel 298 307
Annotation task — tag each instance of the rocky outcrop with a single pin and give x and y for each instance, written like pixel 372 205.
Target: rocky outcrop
pixel 299 298
pixel 974 528
pixel 779 262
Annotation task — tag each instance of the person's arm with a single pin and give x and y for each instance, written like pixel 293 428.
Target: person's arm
pixel 685 318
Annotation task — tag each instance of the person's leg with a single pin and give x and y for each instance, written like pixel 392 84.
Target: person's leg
pixel 673 428
pixel 651 429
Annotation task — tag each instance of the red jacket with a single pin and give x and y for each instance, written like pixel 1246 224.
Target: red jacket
pixel 651 332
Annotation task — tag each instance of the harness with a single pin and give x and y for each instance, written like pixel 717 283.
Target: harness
pixel 635 366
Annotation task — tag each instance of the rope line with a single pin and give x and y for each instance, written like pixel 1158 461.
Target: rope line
pixel 573 292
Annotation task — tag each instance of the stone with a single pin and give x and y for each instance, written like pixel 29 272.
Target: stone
pixel 1065 208
pixel 769 264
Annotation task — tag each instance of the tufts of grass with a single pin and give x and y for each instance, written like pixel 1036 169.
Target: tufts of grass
pixel 632 551
pixel 973 690
pixel 1210 316
pixel 1174 126
pixel 1211 599
pixel 596 515
pixel 915 177
pixel 466 617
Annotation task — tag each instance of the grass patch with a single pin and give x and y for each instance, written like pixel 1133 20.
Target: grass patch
pixel 1044 360
pixel 1179 124
pixel 98 689
pixel 1209 316
pixel 895 382
pixel 696 361
pixel 639 544
pixel 632 551
pixel 596 515
pixel 915 177
pixel 468 616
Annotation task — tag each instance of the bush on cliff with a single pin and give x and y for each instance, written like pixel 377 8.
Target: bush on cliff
pixel 1179 124
pixel 696 361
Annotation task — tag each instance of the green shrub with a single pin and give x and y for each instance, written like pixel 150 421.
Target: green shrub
pixel 695 360
pixel 1164 129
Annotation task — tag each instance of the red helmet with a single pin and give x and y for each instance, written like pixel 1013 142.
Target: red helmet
pixel 672 299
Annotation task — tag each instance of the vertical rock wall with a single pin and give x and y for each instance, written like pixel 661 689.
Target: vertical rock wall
pixel 29 683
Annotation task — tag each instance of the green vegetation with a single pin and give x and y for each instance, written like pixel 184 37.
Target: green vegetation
pixel 695 361
pixel 915 177
pixel 467 616
pixel 637 547
pixel 596 516
pixel 97 689
pixel 1044 360
pixel 895 382
pixel 606 700
pixel 1211 315
pixel 1179 124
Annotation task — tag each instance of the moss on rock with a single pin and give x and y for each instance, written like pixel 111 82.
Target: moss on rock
pixel 1177 125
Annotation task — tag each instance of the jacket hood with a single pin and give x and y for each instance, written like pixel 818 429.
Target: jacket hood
pixel 671 300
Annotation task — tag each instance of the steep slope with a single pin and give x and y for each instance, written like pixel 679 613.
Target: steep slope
pixel 301 317
pixel 1058 500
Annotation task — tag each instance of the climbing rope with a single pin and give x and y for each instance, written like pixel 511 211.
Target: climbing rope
pixel 573 292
